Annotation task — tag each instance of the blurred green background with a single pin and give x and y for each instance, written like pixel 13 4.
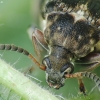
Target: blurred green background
pixel 15 18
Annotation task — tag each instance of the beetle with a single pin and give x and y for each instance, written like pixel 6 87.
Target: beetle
pixel 71 36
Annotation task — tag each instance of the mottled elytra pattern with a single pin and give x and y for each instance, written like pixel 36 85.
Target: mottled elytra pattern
pixel 77 36
pixel 90 7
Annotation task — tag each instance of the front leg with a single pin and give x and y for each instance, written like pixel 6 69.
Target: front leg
pixel 79 76
pixel 81 86
pixel 38 40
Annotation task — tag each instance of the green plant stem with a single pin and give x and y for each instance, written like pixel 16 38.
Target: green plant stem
pixel 16 81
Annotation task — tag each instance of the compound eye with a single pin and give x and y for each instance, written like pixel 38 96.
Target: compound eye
pixel 46 62
pixel 68 68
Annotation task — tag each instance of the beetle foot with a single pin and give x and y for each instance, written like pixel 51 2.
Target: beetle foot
pixel 82 87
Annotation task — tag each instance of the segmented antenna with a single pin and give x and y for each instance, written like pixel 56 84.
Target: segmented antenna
pixel 23 51
pixel 90 75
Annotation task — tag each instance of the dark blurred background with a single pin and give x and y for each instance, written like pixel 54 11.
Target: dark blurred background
pixel 15 18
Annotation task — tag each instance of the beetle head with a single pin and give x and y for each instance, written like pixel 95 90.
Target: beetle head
pixel 56 70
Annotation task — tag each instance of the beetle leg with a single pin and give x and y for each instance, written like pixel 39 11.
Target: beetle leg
pixel 81 86
pixel 92 60
pixel 92 67
pixel 38 40
pixel 29 70
pixel 89 59
pixel 79 76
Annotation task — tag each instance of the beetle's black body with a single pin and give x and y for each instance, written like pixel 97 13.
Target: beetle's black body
pixel 71 35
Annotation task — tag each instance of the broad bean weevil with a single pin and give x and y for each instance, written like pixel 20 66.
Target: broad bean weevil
pixel 71 35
